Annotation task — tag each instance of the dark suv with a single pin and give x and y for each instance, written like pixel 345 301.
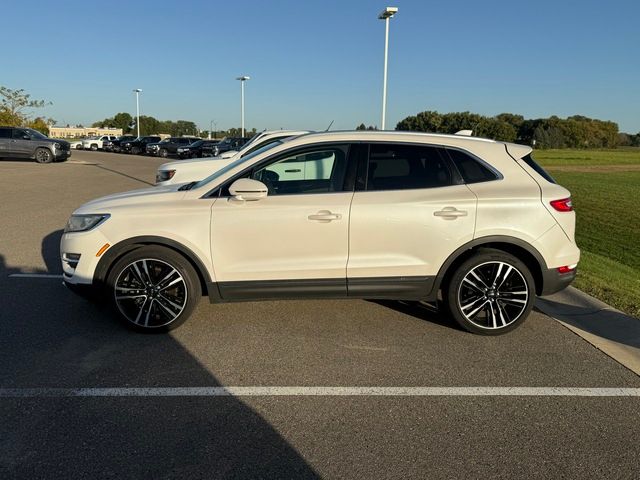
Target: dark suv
pixel 19 142
pixel 229 143
pixel 170 145
pixel 199 149
pixel 114 145
pixel 138 145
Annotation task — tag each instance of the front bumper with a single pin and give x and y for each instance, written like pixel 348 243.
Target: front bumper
pixel 62 154
pixel 86 245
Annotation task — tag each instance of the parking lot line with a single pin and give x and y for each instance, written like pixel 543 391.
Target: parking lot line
pixel 34 275
pixel 275 391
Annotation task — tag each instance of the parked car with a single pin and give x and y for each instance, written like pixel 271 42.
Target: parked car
pixel 115 145
pixel 138 145
pixel 18 142
pixel 152 148
pixel 197 149
pixel 95 143
pixel 229 143
pixel 364 214
pixel 187 171
pixel 170 145
pixel 75 144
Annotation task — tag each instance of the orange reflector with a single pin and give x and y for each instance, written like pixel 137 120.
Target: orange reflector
pixel 103 249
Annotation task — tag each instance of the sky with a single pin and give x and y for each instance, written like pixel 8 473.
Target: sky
pixel 314 62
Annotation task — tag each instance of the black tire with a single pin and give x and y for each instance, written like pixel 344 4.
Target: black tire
pixel 163 153
pixel 497 299
pixel 94 147
pixel 135 150
pixel 43 155
pixel 170 283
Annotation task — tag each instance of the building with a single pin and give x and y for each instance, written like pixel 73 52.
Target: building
pixel 77 132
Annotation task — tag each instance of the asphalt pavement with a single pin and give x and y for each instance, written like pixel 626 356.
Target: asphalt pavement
pixel 151 424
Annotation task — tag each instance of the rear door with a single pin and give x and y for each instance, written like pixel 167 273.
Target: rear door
pixel 409 213
pixel 5 141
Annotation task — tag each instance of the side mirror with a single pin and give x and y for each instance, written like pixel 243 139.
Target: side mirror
pixel 248 189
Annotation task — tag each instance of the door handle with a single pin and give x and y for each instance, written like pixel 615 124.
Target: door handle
pixel 293 170
pixel 450 213
pixel 325 216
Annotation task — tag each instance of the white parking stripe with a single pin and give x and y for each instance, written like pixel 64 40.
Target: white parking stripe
pixel 321 391
pixel 34 275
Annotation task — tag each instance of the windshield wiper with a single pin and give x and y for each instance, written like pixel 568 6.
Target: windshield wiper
pixel 187 186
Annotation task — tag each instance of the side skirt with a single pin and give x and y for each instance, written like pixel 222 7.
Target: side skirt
pixel 387 288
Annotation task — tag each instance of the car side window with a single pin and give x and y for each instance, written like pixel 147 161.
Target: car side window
pixel 404 167
pixel 320 170
pixel 471 169
pixel 5 133
pixel 19 134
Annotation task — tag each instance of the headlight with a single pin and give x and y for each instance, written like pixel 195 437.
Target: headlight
pixel 57 146
pixel 164 175
pixel 183 149
pixel 83 223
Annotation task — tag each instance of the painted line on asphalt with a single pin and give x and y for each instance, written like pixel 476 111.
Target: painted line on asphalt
pixel 34 275
pixel 276 391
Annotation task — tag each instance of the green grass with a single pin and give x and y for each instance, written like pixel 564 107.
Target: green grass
pixel 619 156
pixel 608 222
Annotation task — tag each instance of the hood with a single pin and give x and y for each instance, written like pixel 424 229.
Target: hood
pixel 196 164
pixel 151 195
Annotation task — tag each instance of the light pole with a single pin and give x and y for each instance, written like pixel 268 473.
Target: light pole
pixel 211 125
pixel 242 79
pixel 137 91
pixel 386 14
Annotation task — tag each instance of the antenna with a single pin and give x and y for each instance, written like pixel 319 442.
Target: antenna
pixel 329 126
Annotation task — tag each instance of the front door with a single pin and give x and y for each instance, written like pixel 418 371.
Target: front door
pixel 295 241
pixel 21 144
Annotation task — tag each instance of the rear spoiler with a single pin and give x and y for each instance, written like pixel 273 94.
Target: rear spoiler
pixel 518 151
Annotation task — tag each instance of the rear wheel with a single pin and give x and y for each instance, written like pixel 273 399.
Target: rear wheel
pixel 163 153
pixel 44 155
pixel 154 289
pixel 491 293
pixel 135 150
pixel 94 147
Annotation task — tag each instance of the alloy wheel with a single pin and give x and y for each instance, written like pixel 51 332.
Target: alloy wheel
pixel 493 295
pixel 150 293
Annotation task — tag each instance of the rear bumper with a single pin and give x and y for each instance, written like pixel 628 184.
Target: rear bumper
pixel 554 281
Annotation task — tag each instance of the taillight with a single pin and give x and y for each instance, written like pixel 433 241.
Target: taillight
pixel 562 205
pixel 566 269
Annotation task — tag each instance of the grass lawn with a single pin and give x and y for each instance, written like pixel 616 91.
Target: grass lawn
pixel 608 220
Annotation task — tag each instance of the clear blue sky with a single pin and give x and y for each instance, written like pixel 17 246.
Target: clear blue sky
pixel 316 61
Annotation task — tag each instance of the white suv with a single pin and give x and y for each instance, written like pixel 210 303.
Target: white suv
pixel 377 215
pixel 183 171
pixel 95 143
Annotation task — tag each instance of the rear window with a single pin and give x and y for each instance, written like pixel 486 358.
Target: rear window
pixel 471 169
pixel 539 170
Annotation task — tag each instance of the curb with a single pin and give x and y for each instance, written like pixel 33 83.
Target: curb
pixel 611 331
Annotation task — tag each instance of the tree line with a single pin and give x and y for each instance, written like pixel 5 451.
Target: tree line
pixel 148 125
pixel 553 132
pixel 16 110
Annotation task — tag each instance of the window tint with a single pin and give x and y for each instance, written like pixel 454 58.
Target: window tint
pixel 19 133
pixel 400 167
pixel 471 169
pixel 541 171
pixel 5 133
pixel 317 171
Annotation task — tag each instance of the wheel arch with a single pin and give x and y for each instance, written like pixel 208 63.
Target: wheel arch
pixel 515 246
pixel 122 248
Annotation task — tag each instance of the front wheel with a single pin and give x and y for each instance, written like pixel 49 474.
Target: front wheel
pixel 163 153
pixel 44 155
pixel 491 293
pixel 135 150
pixel 154 289
pixel 93 147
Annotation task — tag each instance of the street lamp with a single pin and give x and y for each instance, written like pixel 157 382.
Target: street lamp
pixel 386 14
pixel 211 125
pixel 137 91
pixel 242 79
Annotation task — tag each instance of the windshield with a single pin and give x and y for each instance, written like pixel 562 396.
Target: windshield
pixel 36 134
pixel 197 143
pixel 234 164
